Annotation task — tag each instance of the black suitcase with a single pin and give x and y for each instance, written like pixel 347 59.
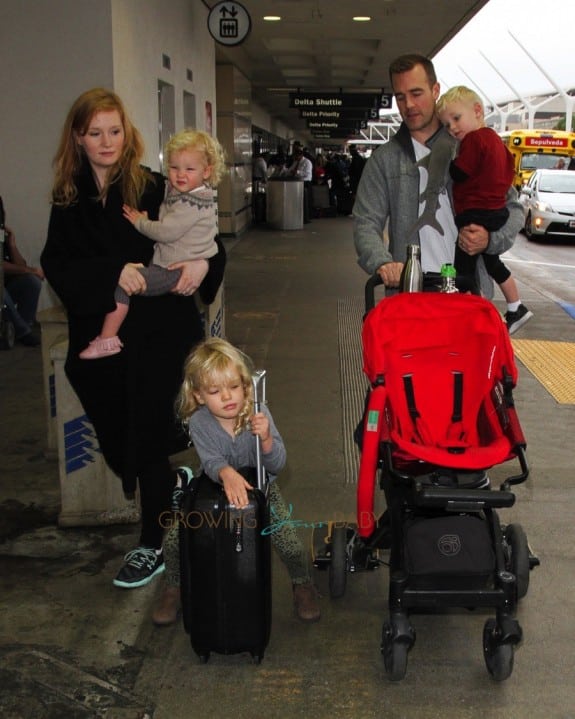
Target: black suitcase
pixel 225 564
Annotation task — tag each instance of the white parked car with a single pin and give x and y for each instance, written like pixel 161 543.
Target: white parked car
pixel 549 202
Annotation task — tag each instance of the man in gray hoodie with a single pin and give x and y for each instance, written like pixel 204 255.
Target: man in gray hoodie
pixel 405 189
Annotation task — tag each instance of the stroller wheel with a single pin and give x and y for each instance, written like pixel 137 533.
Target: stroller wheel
pixel 518 561
pixel 394 654
pixel 498 657
pixel 338 564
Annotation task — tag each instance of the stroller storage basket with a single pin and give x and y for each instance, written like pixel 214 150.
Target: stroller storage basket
pixel 449 551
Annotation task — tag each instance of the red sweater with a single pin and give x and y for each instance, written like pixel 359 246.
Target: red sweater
pixel 489 168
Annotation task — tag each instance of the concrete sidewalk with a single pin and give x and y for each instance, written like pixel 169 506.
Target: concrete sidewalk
pixel 72 645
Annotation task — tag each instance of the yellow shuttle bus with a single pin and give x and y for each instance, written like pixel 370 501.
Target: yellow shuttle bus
pixel 538 149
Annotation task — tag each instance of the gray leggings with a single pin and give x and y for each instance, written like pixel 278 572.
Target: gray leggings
pixel 159 281
pixel 285 541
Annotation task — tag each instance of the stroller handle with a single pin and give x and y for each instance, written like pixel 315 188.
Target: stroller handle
pixel 431 283
pixel 373 282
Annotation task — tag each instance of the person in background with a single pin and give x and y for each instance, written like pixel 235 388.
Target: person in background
pixel 388 196
pixel 290 159
pixel 22 287
pixel 277 163
pixel 92 248
pixel 260 168
pixel 186 228
pixel 319 177
pixel 482 173
pixel 336 176
pixel 259 182
pixel 216 403
pixel 302 169
pixel 355 170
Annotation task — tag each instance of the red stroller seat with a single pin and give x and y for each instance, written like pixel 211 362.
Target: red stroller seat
pixel 439 366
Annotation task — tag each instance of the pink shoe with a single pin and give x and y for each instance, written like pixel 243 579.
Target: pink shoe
pixel 99 348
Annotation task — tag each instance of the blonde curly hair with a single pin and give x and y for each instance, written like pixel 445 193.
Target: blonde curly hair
pixel 215 361
pixel 190 139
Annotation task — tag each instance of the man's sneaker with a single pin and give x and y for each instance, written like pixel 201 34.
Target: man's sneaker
pixel 141 566
pixel 517 319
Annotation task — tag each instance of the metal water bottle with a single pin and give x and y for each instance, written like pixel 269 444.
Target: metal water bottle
pixel 448 275
pixel 411 279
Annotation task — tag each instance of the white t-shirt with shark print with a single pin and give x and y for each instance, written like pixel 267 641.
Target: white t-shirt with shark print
pixel 436 249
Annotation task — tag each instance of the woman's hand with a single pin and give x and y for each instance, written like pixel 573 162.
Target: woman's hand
pixel 235 487
pixel 193 272
pixel 132 281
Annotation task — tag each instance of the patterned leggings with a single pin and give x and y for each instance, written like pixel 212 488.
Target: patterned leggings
pixel 285 541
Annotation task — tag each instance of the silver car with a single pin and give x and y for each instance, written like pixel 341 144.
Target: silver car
pixel 549 203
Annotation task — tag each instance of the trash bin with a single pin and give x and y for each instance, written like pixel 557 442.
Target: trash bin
pixel 91 494
pixel 284 207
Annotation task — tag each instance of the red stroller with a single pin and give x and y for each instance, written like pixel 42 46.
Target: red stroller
pixel 439 413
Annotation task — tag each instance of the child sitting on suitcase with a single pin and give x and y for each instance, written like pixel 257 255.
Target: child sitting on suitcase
pixel 216 403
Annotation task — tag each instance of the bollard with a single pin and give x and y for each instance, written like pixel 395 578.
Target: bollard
pixel 91 494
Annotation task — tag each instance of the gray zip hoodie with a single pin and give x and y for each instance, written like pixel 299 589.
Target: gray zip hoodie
pixel 389 190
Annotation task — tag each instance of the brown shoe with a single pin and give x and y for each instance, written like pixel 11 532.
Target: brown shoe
pixel 305 602
pixel 166 611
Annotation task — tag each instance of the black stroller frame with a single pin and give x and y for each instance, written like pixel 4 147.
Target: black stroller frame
pixel 409 497
pixel 418 491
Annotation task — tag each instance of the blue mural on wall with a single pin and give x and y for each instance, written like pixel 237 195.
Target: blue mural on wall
pixel 80 444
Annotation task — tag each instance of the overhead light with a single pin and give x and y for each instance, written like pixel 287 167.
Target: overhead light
pixel 272 18
pixel 361 18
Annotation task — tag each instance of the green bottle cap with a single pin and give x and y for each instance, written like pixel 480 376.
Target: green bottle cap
pixel 448 270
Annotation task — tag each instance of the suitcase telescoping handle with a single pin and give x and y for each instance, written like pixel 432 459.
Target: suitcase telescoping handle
pixel 259 385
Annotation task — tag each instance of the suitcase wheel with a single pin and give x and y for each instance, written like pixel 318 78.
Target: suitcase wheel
pixel 257 658
pixel 204 657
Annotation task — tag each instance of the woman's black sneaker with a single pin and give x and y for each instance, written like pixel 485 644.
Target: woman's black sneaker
pixel 141 566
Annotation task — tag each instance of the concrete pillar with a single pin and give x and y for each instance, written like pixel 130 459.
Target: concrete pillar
pixel 213 315
pixel 234 131
pixel 54 325
pixel 91 494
